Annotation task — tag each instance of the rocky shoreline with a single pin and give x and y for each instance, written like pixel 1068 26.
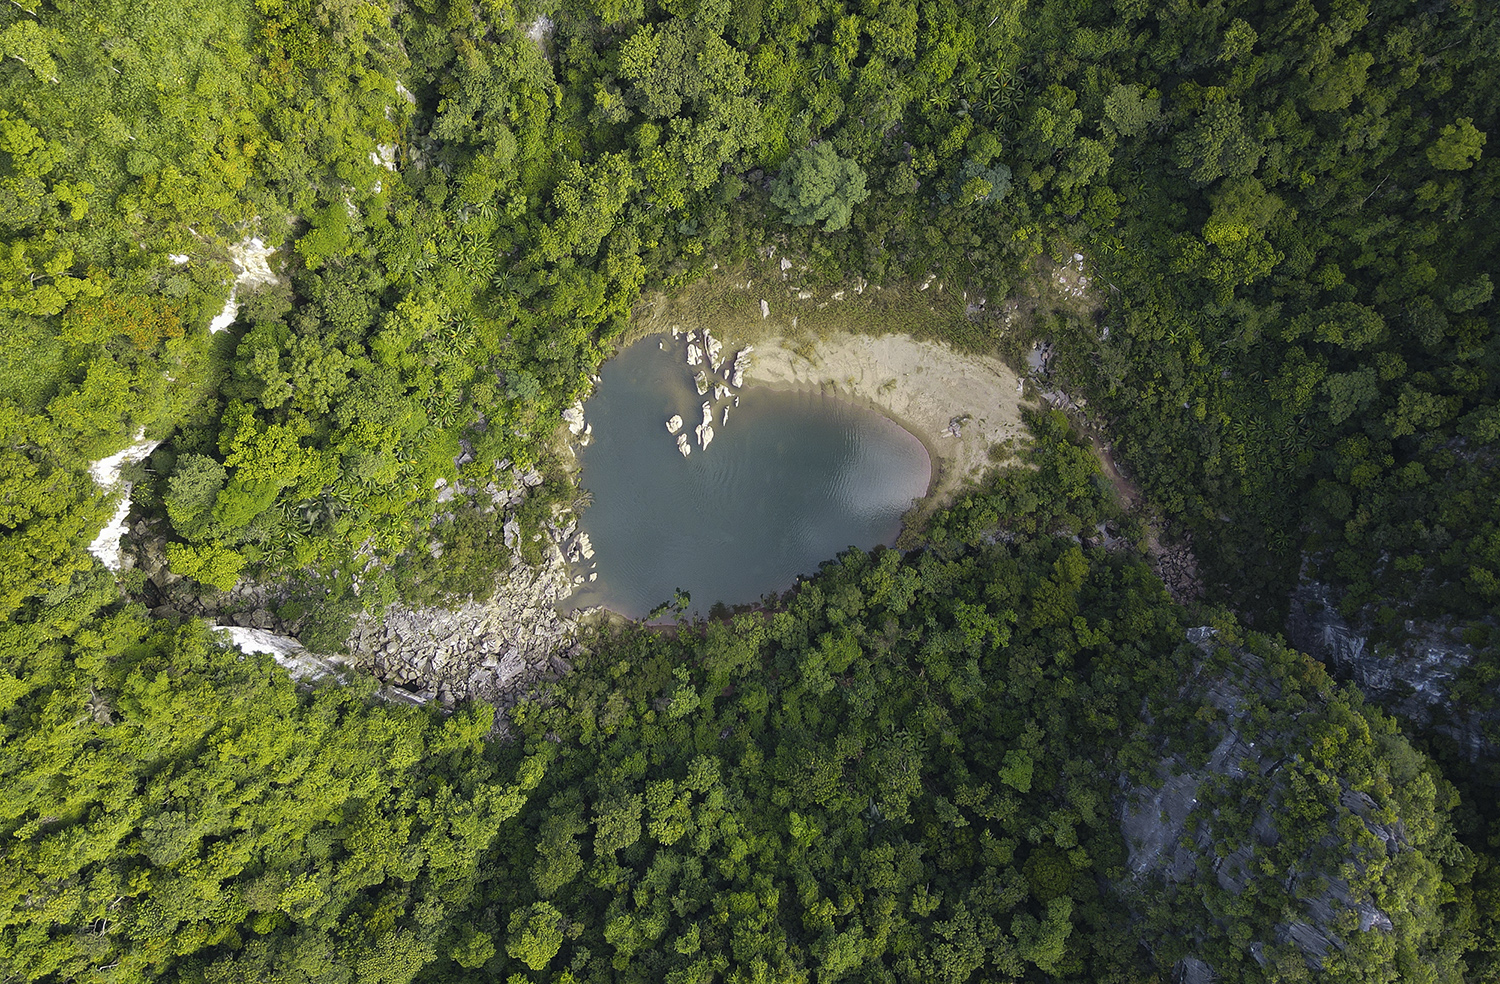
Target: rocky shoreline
pixel 495 650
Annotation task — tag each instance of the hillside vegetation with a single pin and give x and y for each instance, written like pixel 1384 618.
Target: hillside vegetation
pixel 910 769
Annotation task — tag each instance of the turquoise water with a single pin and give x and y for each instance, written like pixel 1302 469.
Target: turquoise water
pixel 794 478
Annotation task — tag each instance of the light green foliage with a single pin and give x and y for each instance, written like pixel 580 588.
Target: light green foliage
pixel 817 185
pixel 164 796
pixel 535 935
pixel 1289 230
pixel 1457 147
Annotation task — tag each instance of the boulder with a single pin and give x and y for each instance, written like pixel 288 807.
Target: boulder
pixel 674 424
pixel 741 366
pixel 573 417
pixel 694 354
pixel 701 381
pixel 683 446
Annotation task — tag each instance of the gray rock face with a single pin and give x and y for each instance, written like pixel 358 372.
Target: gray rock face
pixel 740 366
pixel 1413 680
pixel 1171 837
pixel 493 650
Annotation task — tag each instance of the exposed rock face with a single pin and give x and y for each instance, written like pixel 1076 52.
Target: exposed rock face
pixel 741 365
pixel 1221 820
pixel 492 650
pixel 1413 680
pixel 705 430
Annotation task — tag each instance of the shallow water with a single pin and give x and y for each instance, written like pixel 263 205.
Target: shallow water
pixel 792 479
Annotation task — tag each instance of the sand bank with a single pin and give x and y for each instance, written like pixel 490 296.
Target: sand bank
pixel 924 386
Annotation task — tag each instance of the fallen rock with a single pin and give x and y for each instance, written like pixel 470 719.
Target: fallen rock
pixel 741 366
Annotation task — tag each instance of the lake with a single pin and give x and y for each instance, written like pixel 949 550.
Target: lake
pixel 792 479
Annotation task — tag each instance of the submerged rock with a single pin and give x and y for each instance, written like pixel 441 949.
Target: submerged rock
pixel 705 430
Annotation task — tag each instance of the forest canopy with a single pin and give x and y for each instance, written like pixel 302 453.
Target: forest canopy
pixel 318 259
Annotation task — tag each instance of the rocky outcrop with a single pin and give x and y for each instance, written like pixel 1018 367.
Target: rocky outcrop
pixel 493 650
pixel 1251 797
pixel 1413 679
pixel 740 366
pixel 705 430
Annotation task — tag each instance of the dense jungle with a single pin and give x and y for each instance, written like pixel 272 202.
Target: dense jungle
pixel 316 260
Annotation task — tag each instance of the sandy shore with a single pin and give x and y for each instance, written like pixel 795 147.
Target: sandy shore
pixel 921 385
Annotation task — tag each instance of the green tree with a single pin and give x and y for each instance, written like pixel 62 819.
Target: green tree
pixel 817 185
pixel 535 934
pixel 1457 147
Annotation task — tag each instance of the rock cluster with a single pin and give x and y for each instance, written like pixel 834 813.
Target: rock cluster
pixel 705 430
pixel 493 650
pixel 1171 838
pixel 720 373
pixel 1414 678
pixel 1177 567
